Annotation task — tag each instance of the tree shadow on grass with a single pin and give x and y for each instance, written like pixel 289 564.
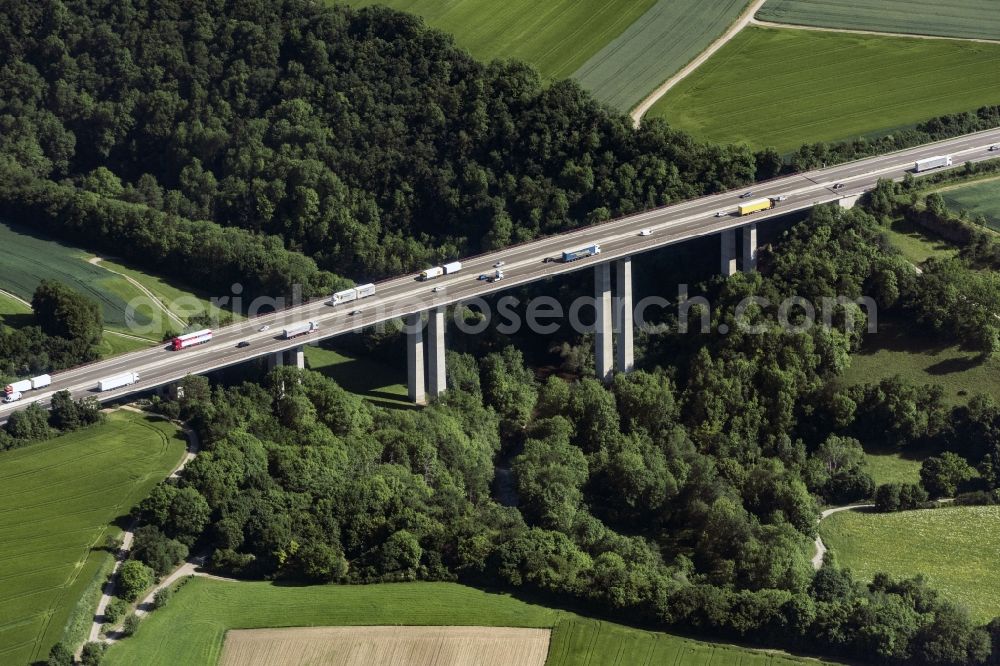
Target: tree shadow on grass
pixel 19 320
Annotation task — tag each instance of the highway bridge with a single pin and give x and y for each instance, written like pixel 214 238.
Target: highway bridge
pixel 407 297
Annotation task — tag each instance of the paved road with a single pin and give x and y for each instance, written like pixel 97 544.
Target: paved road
pixel 524 263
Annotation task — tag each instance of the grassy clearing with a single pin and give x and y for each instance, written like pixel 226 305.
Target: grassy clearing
pixel 113 344
pixel 557 36
pixel 917 244
pixel 783 88
pixel 58 501
pixel 896 350
pixel 955 547
pixel 203 610
pixel 893 466
pixel 981 197
pixel 653 48
pixel 381 383
pixel 973 19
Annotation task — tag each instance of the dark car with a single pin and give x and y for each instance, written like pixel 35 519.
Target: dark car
pixel 746 195
pixel 242 343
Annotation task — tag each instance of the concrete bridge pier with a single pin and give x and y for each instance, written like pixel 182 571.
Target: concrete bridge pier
pixel 750 247
pixel 624 313
pixel 728 252
pixel 415 382
pixel 604 356
pixel 275 360
pixel 299 355
pixel 435 352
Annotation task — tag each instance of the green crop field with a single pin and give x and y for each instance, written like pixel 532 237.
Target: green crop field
pixel 974 19
pixel 654 48
pixel 785 87
pixel 58 501
pixel 556 36
pixel 203 610
pixel 895 350
pixel 981 197
pixel 28 259
pixel 955 547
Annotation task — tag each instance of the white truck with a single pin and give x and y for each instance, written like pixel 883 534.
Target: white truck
pixel 118 381
pixel 438 271
pixel 41 381
pixel 302 328
pixel 18 387
pixel 932 163
pixel 353 294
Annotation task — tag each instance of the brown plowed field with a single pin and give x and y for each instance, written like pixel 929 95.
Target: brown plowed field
pixel 386 646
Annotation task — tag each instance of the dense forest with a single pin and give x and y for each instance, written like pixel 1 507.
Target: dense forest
pixel 682 495
pixel 222 141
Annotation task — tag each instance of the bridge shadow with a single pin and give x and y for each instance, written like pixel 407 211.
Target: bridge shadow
pixel 375 380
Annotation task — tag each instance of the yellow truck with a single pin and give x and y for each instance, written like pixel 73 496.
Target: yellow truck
pixel 756 206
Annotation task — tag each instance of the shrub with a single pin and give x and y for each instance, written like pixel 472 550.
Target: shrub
pixel 161 598
pixel 92 653
pixel 133 578
pixel 60 655
pixel 115 610
pixel 130 625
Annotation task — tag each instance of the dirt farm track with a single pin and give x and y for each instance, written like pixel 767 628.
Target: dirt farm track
pixel 386 646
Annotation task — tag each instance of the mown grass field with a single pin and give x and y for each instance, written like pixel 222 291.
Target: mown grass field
pixel 654 47
pixel 895 350
pixel 557 36
pixel 981 197
pixel 381 383
pixel 955 547
pixel 58 502
pixel 976 19
pixel 203 609
pixel 784 87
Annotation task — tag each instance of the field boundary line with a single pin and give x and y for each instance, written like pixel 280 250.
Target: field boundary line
pixel 877 33
pixel 96 261
pixel 16 298
pixel 744 20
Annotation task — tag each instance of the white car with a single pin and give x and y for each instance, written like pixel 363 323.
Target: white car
pixel 499 264
pixel 994 147
pixel 437 289
pixel 781 197
pixel 721 213
pixel 355 312
pixel 646 232
pixel 263 328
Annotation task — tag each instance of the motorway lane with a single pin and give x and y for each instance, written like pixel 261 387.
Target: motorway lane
pixel 523 264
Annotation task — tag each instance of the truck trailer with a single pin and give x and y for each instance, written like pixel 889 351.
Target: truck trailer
pixel 353 294
pixel 18 387
pixel 191 339
pixel 438 271
pixel 118 381
pixel 582 253
pixel 302 328
pixel 932 163
pixel 755 206
pixel 41 381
